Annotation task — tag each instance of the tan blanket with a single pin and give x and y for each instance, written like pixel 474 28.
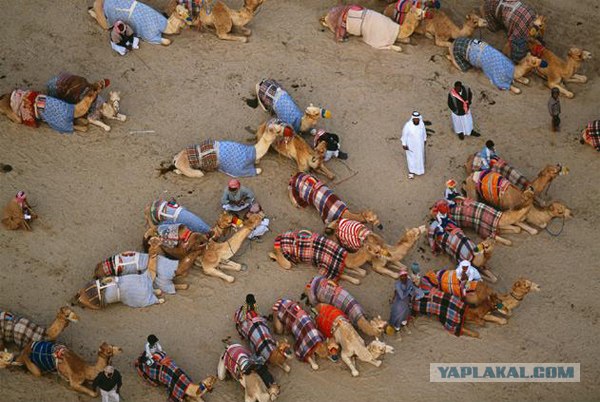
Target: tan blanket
pixel 376 29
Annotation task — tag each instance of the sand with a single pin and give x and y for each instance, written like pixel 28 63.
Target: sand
pixel 90 189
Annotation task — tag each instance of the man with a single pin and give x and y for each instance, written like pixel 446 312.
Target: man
pixel 467 273
pixel 413 140
pixel 333 144
pixel 152 347
pixel 238 199
pixel 404 292
pixel 554 109
pixel 488 154
pixel 109 381
pixel 451 194
pixel 122 38
pixel 18 214
pixel 459 102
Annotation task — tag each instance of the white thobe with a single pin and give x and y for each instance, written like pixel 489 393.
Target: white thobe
pixel 414 137
pixel 110 396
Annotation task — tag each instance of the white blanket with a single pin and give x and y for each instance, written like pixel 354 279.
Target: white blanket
pixel 376 29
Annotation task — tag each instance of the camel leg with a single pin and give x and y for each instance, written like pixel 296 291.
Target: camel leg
pixel 492 318
pixel 325 171
pixel 450 56
pixel 577 78
pixel 82 389
pixel 82 128
pixel 281 260
pixel 515 90
pixel 504 241
pixel 469 332
pixel 258 171
pixel 527 228
pixel 374 362
pixel 522 80
pixel 564 91
pixel 348 360
pixel 118 116
pixel 24 358
pixel 510 229
pixel 228 36
pixel 221 369
pixel 165 41
pixel 278 325
pixel 244 31
pixel 100 124
pixel 230 265
pixel 442 43
pixel 97 12
pixel 291 197
pixel 182 286
pixel 358 271
pixel 488 275
pixel 350 279
pixel 285 367
pixel 214 271
pixel 397 265
pixel 312 362
pixel 382 270
pixel 183 166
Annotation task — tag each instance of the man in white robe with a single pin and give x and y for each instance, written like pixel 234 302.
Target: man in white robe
pixel 413 140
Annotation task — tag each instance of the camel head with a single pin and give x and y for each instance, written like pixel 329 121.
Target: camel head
pixel 252 5
pixel 195 392
pixel 252 221
pixel 325 22
pixel 321 350
pixel 377 251
pixel 154 242
pixel 372 218
pixel 523 286
pixel 530 62
pixel 181 13
pixel 256 389
pixel 416 12
pixel 66 313
pixel 284 348
pixel 6 358
pixel 486 247
pixel 379 348
pixel 559 210
pixel 578 54
pixel 107 351
pixel 101 84
pixel 538 27
pixel 552 171
pixel 225 220
pixel 412 235
pixel 314 113
pixel 378 324
pixel 475 21
pixel 273 131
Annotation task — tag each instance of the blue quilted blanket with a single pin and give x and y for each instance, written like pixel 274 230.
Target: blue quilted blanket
pixel 496 66
pixel 146 22
pixel 58 114
pixel 286 109
pixel 43 355
pixel 236 159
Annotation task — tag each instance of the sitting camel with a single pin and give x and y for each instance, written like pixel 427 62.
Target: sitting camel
pixel 332 260
pixel 333 323
pixel 521 288
pixel 375 29
pixel 322 290
pixel 398 252
pixel 288 316
pixel 465 53
pixel 21 331
pixel 216 256
pixel 295 147
pixel 164 372
pixel 29 107
pixel 305 189
pixel 541 216
pixel 45 356
pixel 18 214
pixel 558 70
pixel 591 135
pixel 232 158
pixel 259 385
pixel 7 359
pixel 146 22
pixel 442 30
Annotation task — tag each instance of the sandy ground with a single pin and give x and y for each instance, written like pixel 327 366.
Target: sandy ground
pixel 90 190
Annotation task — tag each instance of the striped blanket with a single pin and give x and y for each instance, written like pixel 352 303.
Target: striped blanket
pixel 237 360
pixel 278 101
pixel 454 243
pixel 22 103
pixel 45 354
pixel 496 66
pixel 351 234
pixel 449 309
pixel 446 281
pixel 304 246
pixel 322 290
pixel 56 113
pixel 499 165
pixel 299 323
pixel 164 372
pixel 491 186
pixel 592 134
pixel 308 190
pixel 476 215
pixel 19 330
pixel 203 156
pixel 169 234
pixel 146 22
pixel 259 335
pixel 327 317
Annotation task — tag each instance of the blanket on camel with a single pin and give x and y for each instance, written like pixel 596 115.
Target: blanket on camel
pixel 45 355
pixel 322 290
pixel 476 215
pixel 165 372
pixel 22 103
pixel 446 281
pixel 327 318
pixel 592 134
pixel 491 186
pixel 308 190
pixel 257 331
pixel 449 309
pixel 278 101
pixel 375 29
pixel 146 22
pixel 351 234
pixel 454 243
pixel 295 319
pixel 499 165
pixel 19 330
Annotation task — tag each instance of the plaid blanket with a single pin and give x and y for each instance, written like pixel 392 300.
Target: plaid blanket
pixel 203 156
pixel 44 354
pixel 237 359
pixel 322 290
pixel 169 234
pixel 476 215
pixel 308 190
pixel 278 101
pixel 592 134
pixel 304 246
pixel 449 309
pixel 259 335
pixel 516 17
pixel 402 7
pixel 146 22
pixel 19 330
pixel 501 166
pixel 327 317
pixel 235 159
pixel 454 243
pixel 460 48
pixel 351 234
pixel 303 328
pixel 164 372
pixel 491 186
pixel 496 66
pixel 56 113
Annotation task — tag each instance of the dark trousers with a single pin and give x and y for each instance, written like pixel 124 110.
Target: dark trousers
pixel 555 122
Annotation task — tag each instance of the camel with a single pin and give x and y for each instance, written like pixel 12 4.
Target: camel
pixel 108 109
pixel 398 252
pixel 217 255
pixel 305 189
pixel 559 70
pixel 541 216
pixel 67 363
pixel 333 323
pixel 591 135
pixel 18 214
pixel 259 385
pixel 21 331
pixel 521 288
pixel 296 148
pixel 146 22
pixel 209 156
pixel 29 108
pixel 7 359
pixel 465 53
pixel 441 29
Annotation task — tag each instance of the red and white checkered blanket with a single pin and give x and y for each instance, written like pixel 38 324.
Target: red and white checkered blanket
pixel 476 215
pixel 257 331
pixel 296 320
pixel 322 290
pixel 308 190
pixel 237 359
pixel 19 330
pixel 592 134
pixel 351 234
pixel 164 372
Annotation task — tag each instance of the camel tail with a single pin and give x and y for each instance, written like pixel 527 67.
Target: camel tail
pixel 164 168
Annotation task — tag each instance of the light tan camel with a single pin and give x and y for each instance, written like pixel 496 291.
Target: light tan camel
pixel 175 23
pixel 442 29
pixel 541 216
pixel 73 368
pixel 217 255
pixel 297 149
pixel 521 288
pixel 109 109
pixel 559 70
pixel 398 252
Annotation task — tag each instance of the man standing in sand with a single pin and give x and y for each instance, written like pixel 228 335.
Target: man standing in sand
pixel 459 102
pixel 109 381
pixel 554 109
pixel 413 140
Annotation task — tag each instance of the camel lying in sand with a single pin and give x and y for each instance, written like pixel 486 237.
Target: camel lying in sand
pixel 21 331
pixel 44 356
pixel 334 262
pixel 398 252
pixel 559 70
pixel 259 385
pixel 147 23
pixel 218 15
pixel 442 29
pixel 305 189
pixel 322 290
pixel 296 148
pixel 541 216
pixel 232 158
pixel 217 255
pixel 465 53
pixel 333 323
pixel 18 214
pixel 521 288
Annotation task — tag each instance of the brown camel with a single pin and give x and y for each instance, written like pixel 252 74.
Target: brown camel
pixel 217 255
pixel 442 29
pixel 541 216
pixel 521 288
pixel 481 313
pixel 7 359
pixel 296 148
pixel 13 214
pixel 72 367
pixel 398 252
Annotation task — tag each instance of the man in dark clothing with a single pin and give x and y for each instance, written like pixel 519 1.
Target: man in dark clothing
pixel 554 109
pixel 109 382
pixel 459 102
